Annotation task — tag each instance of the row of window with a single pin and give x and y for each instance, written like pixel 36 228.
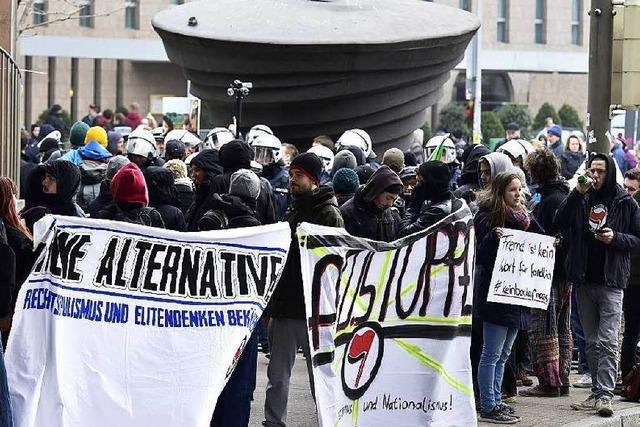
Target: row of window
pixel 540 22
pixel 86 12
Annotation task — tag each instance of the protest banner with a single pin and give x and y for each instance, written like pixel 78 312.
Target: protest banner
pixel 390 325
pixel 523 271
pixel 125 325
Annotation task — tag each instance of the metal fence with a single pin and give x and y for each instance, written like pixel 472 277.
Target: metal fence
pixel 10 95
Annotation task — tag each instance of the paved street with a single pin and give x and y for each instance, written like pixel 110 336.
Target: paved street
pixel 535 412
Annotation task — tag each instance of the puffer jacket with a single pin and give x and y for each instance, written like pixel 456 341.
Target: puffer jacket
pixel 318 207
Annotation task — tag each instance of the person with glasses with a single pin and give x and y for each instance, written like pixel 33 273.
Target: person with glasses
pixel 600 224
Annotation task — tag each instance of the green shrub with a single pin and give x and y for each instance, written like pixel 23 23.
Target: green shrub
pixel 515 113
pixel 569 117
pixel 453 119
pixel 546 110
pixel 491 127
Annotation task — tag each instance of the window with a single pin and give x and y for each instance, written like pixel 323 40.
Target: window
pixel 540 23
pixel 131 14
pixel 39 11
pixel 503 21
pixel 86 13
pixel 576 22
pixel 497 90
pixel 465 5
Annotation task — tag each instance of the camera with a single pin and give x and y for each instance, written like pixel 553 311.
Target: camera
pixel 239 88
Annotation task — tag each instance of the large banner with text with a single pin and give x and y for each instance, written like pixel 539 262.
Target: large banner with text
pixel 125 325
pixel 390 325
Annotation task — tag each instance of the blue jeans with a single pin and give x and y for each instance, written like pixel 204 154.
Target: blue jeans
pixel 496 349
pixel 578 334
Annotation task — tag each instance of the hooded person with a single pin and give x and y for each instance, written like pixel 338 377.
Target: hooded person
pixel 184 185
pixel 345 183
pixel 431 200
pixel 358 154
pixel 163 196
pixel 115 144
pixel 469 183
pixel 52 189
pixel 343 159
pixel 131 199
pixel 370 212
pixel 77 136
pixel 104 198
pixel 236 155
pixel 204 170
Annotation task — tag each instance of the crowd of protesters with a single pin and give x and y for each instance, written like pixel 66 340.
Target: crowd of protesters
pixel 124 167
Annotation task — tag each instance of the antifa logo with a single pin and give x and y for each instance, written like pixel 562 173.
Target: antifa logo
pixel 363 359
pixel 597 217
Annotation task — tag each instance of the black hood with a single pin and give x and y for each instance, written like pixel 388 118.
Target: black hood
pixel 608 190
pixel 319 197
pixel 208 160
pixel 382 179
pixel 236 155
pixel 470 158
pixel 559 186
pixel 232 205
pixel 161 186
pixel 67 176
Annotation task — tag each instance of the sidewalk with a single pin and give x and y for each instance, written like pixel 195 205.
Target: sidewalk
pixel 535 412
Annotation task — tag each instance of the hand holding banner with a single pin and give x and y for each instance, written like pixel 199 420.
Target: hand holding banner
pixel 523 271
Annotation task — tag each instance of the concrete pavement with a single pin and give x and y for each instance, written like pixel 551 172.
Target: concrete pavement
pixel 535 412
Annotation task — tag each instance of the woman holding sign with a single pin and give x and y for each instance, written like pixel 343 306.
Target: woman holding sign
pixel 501 208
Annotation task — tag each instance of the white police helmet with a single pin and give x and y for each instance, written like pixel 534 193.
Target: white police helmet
pixel 183 135
pixel 325 154
pixel 517 149
pixel 449 148
pixel 216 138
pixel 358 138
pixel 268 148
pixel 258 130
pixel 142 143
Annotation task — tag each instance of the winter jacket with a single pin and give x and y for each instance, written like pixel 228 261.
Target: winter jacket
pixel 92 173
pixel 428 214
pixel 570 162
pixel 92 151
pixel 7 272
pixel 621 158
pixel 344 198
pixel 265 209
pixel 172 217
pixel 22 247
pixel 557 149
pixel 132 213
pixel 163 196
pixel 363 218
pixel 634 280
pixel 278 177
pixel 227 211
pixel 104 198
pixel 632 160
pixel 623 217
pixel 512 316
pixel 318 207
pixel 68 182
pixel 551 196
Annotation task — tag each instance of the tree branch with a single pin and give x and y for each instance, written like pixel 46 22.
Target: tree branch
pixel 66 16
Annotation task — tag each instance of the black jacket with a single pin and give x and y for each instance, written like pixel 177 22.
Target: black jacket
pixel 22 247
pixel 570 162
pixel 227 211
pixel 172 217
pixel 7 272
pixel 363 219
pixel 551 196
pixel 104 198
pixel 185 196
pixel 163 196
pixel 319 207
pixel 418 219
pixel 623 217
pixel 265 209
pixel 125 212
pixel 512 316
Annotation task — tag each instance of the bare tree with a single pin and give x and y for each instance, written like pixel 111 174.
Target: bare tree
pixel 64 10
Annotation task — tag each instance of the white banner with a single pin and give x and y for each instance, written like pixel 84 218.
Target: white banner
pixel 390 325
pixel 125 325
pixel 523 271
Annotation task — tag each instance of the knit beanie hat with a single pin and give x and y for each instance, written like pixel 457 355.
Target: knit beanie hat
pixel 310 165
pixel 435 174
pixel 97 134
pixel 394 158
pixel 177 167
pixel 128 185
pixel 114 136
pixel 364 172
pixel 77 134
pixel 45 130
pixel 555 130
pixel 208 160
pixel 344 159
pixel 345 181
pixel 115 164
pixel 360 156
pixel 245 183
pixel 235 155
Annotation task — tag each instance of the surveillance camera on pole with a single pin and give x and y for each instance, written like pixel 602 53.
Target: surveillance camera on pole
pixel 239 90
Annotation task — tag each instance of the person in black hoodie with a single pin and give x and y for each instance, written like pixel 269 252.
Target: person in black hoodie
pixel 236 155
pixel 431 200
pixel 163 196
pixel 131 199
pixel 501 207
pixel 288 329
pixel 600 224
pixel 370 212
pixel 204 169
pixel 235 210
pixel 550 331
pixel 52 189
pixel 469 181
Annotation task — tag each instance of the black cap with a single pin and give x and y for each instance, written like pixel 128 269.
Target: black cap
pixel 310 164
pixel 174 149
pixel 512 127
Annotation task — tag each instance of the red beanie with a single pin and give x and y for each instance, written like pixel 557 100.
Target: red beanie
pixel 128 185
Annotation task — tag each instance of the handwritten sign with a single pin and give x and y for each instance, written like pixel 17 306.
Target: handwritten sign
pixel 523 271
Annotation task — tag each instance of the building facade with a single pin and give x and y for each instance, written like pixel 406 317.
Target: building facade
pixel 107 53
